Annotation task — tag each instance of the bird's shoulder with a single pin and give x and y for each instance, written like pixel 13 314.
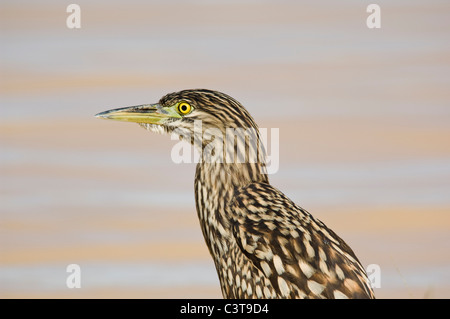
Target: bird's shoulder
pixel 299 253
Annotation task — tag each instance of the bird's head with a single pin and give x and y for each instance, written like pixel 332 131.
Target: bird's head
pixel 180 110
pixel 190 113
pixel 204 118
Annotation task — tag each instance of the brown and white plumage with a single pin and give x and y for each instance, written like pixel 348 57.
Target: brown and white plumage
pixel 263 245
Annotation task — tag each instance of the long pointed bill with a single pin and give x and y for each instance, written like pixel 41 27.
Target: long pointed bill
pixel 146 113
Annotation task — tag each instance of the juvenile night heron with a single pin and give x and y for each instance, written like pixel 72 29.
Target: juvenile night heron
pixel 263 244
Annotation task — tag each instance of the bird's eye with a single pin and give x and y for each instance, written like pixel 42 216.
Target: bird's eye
pixel 184 108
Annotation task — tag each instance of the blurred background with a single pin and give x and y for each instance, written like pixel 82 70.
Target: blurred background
pixel 363 116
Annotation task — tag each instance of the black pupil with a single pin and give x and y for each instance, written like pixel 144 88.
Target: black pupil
pixel 184 108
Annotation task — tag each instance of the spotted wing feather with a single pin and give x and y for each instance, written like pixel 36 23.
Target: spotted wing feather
pixel 300 256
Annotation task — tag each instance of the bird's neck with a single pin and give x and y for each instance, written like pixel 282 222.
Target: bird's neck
pixel 228 177
pixel 232 158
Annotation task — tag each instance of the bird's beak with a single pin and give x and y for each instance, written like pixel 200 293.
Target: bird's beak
pixel 146 113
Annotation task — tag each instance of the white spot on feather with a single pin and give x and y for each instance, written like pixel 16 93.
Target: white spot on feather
pixel 306 268
pixel 339 273
pixel 309 249
pixel 339 295
pixel 249 289
pixel 258 291
pixel 284 288
pixel 267 293
pixel 315 287
pixel 266 268
pixel 278 264
pixel 323 267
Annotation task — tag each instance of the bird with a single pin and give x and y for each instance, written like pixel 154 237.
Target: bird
pixel 264 246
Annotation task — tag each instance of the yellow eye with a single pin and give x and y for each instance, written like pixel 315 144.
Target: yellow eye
pixel 184 108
